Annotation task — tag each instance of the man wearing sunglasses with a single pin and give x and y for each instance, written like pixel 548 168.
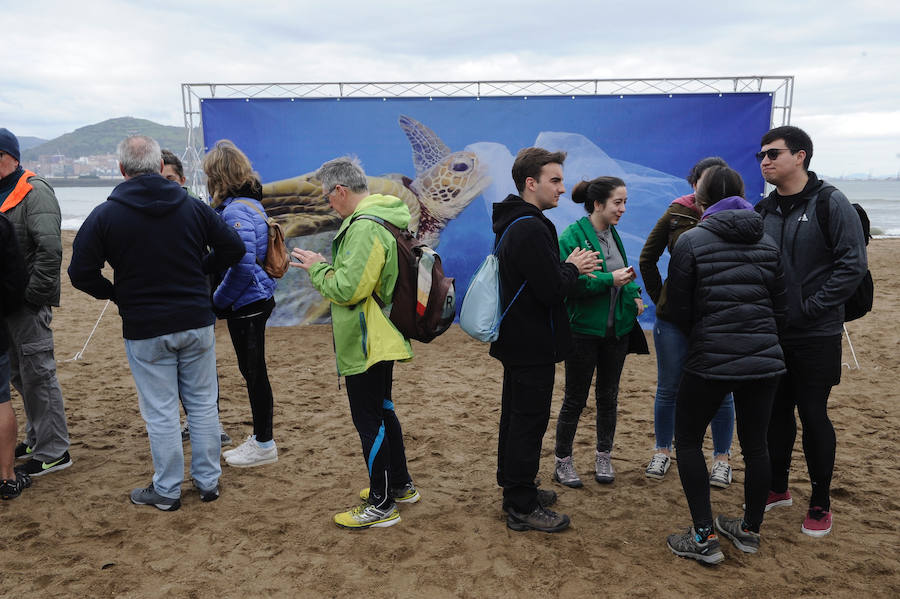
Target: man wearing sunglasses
pixel 822 268
pixel 31 206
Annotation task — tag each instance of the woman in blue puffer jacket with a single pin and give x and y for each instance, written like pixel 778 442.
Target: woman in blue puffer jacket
pixel 244 295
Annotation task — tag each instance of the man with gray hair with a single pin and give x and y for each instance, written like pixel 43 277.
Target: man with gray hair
pixel 366 343
pixel 155 237
pixel 31 206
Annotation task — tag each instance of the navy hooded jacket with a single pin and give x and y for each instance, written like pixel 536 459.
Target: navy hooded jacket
pixel 161 244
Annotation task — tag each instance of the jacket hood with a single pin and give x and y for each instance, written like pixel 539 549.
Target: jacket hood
pixel 151 194
pixel 509 210
pixel 741 225
pixel 390 208
pixel 688 201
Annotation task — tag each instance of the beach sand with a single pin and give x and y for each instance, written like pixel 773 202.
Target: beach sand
pixel 75 534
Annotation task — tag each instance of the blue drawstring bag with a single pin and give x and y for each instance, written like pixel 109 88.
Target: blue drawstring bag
pixel 481 312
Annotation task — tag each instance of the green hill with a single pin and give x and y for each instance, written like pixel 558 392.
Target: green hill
pixel 102 138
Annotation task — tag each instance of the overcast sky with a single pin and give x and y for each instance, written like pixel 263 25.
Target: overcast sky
pixel 70 64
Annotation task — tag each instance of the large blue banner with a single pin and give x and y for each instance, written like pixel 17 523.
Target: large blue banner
pixel 449 159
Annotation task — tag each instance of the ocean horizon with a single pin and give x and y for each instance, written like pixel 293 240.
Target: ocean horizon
pixel 879 197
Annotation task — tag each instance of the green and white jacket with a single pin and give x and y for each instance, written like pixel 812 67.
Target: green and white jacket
pixel 364 256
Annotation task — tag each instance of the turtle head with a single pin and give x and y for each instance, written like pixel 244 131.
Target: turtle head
pixel 450 185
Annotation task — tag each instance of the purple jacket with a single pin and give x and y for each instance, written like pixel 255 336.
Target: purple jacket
pixel 245 282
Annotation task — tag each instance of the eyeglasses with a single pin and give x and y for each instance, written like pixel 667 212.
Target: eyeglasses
pixel 772 153
pixel 333 187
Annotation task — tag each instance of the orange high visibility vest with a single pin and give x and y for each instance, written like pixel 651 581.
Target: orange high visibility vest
pixel 18 193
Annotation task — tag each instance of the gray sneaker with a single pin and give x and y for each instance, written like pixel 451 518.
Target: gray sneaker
pixel 720 475
pixel 565 473
pixel 223 436
pixel 604 468
pixel 733 528
pixel 689 544
pixel 149 496
pixel 659 465
pixel 540 519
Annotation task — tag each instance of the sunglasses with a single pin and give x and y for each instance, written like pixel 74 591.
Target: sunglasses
pixel 772 153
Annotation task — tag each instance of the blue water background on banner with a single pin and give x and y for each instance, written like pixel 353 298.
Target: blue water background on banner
pixel 649 141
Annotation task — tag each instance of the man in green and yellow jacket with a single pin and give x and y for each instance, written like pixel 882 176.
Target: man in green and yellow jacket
pixel 366 343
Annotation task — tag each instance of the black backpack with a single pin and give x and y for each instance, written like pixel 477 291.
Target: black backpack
pixel 860 303
pixel 424 301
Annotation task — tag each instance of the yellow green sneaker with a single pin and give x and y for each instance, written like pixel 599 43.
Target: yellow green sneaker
pixel 367 516
pixel 405 494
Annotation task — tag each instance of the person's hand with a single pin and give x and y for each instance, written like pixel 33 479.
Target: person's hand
pixel 623 276
pixel 305 258
pixel 585 261
pixel 640 305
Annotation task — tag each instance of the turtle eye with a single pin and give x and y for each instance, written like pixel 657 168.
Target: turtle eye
pixel 460 167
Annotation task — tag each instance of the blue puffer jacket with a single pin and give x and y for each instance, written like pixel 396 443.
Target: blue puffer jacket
pixel 245 282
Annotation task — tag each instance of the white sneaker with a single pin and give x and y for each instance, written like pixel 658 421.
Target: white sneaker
pixel 249 453
pixel 720 475
pixel 659 465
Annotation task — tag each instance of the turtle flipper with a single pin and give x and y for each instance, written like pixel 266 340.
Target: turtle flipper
pixel 427 147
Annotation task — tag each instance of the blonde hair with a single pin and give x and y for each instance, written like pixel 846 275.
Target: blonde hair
pixel 227 170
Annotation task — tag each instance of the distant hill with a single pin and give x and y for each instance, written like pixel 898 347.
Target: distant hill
pixel 102 138
pixel 26 142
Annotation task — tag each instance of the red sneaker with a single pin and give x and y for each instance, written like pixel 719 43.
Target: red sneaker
pixel 817 522
pixel 778 500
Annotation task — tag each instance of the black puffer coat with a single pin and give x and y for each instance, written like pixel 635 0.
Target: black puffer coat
pixel 726 291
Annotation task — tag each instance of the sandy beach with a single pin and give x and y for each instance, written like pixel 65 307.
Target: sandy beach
pixel 75 534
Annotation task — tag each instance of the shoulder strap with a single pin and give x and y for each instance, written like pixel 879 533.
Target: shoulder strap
pixel 499 241
pixel 252 205
pixel 823 211
pixel 392 229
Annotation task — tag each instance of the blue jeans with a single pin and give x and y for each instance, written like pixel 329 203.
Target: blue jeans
pixel 671 352
pixel 163 367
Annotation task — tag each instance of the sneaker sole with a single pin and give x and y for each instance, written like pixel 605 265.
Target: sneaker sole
pixel 780 503
pixel 52 469
pixel 257 463
pixel 736 541
pixel 604 480
pixel 378 524
pixel 721 484
pixel 814 533
pixel 655 475
pixel 519 526
pixel 160 506
pixel 711 559
pixel 572 485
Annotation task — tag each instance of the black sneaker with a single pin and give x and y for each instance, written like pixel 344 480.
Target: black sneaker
pixel 23 452
pixel 733 528
pixel 35 467
pixel 12 488
pixel 540 519
pixel 149 496
pixel 210 495
pixel 545 497
pixel 690 544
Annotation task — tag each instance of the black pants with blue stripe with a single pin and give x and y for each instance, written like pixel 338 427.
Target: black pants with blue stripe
pixel 379 430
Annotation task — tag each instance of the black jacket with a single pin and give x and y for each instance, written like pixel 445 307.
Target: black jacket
pixel 726 291
pixel 819 276
pixel 156 237
pixel 536 328
pixel 13 277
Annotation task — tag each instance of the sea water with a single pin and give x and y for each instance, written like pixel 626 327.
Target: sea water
pixel 880 198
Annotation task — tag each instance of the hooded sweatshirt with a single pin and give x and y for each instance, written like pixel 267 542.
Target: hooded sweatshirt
pixel 536 328
pixel 161 244
pixel 725 290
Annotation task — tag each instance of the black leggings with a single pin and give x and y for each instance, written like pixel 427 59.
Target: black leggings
pixel 379 430
pixel 813 367
pixel 697 403
pixel 248 335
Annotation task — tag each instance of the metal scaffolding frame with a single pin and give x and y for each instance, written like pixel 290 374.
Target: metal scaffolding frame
pixel 192 95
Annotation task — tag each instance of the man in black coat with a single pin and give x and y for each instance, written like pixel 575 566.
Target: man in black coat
pixel 535 334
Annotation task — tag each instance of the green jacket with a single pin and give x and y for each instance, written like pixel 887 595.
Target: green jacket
pixel 37 223
pixel 365 260
pixel 588 303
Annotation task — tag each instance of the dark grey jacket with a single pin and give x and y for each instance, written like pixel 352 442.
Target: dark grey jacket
pixel 726 292
pixel 818 278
